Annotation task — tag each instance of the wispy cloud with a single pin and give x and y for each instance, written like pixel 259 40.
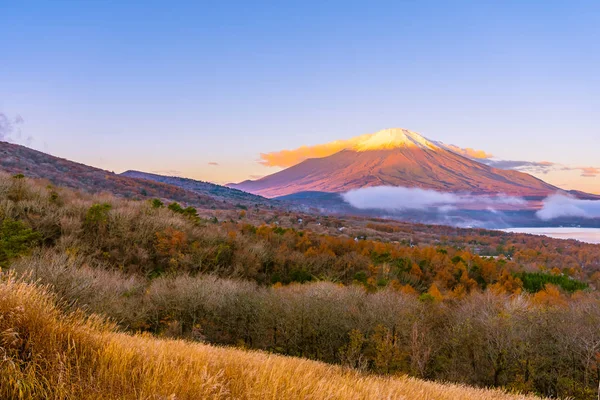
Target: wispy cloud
pixel 10 129
pixel 541 167
pixel 534 167
pixel 213 164
pixel 6 127
pixel 531 167
pixel 561 205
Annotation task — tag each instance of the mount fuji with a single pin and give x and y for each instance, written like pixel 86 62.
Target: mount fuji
pixel 401 158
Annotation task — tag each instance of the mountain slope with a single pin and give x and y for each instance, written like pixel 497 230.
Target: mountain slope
pixel 211 189
pixel 16 159
pixel 397 157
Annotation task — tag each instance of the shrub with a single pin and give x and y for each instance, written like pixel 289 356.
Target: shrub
pixel 15 239
pixel 156 203
pixel 96 217
pixel 176 208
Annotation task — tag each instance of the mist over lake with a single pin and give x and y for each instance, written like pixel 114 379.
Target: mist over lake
pixel 587 235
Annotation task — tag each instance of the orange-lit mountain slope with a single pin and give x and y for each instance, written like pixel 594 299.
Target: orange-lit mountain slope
pixel 397 157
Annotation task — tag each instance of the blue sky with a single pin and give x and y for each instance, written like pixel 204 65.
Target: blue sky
pixel 172 86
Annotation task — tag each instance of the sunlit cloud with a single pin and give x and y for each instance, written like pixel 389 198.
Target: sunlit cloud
pixel 213 164
pixel 288 158
pixel 467 151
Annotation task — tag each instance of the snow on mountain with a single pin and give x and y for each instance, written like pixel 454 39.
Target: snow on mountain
pixel 401 158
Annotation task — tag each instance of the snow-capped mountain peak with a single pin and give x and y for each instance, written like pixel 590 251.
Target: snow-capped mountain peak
pixel 391 139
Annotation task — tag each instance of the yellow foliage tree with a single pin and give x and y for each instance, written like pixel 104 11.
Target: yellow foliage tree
pixel 550 296
pixel 435 293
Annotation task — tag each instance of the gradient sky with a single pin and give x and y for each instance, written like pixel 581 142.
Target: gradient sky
pixel 174 86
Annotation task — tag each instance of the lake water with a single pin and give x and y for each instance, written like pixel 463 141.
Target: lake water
pixel 588 235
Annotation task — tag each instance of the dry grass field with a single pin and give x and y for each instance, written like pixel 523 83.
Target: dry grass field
pixel 46 354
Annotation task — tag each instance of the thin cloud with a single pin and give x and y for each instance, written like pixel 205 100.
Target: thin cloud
pixel 213 163
pixel 532 167
pixel 10 129
pixel 589 172
pixel 6 127
pixel 540 167
pixel 535 167
pixel 169 172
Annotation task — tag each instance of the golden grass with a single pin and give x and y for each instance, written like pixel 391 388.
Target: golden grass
pixel 45 354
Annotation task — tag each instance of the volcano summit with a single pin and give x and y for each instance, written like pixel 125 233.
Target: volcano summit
pixel 396 157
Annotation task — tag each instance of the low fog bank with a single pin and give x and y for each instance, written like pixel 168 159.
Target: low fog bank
pixel 465 210
pixel 400 198
pixel 433 207
pixel 560 205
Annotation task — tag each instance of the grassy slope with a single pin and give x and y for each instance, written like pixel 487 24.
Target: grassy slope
pixel 50 355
